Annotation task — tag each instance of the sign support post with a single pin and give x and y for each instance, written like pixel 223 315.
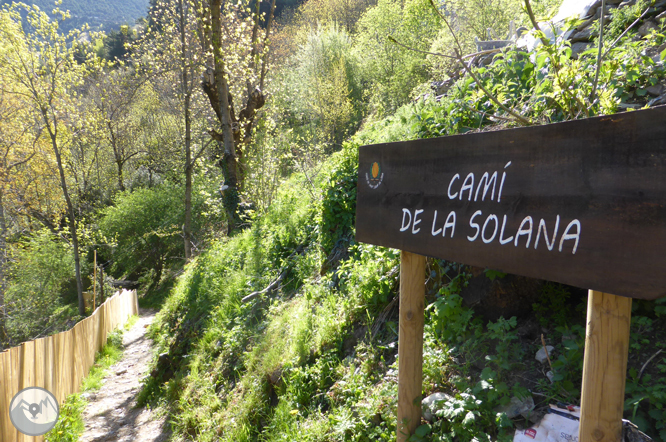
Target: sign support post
pixel 410 343
pixel 604 367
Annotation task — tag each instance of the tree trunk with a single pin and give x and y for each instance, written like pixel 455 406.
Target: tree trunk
pixel 230 162
pixel 70 212
pixel 117 157
pixel 187 226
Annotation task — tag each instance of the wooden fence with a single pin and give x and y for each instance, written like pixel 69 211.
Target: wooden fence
pixel 59 363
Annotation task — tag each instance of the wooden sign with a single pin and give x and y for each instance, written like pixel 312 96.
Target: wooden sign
pixel 580 202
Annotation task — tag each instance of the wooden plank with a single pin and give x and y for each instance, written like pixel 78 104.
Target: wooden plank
pixel 604 367
pixel 15 363
pixel 59 387
pixel 49 364
pixel 38 362
pixel 410 343
pixel 27 364
pixel 596 187
pixel 6 394
pixel 66 363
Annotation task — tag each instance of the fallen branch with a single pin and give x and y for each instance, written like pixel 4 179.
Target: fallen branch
pixel 647 362
pixel 272 286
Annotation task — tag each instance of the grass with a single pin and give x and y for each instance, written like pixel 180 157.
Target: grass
pixel 70 424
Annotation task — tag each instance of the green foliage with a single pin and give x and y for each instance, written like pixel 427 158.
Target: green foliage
pixel 553 308
pixel 645 400
pixel 39 279
pixel 70 422
pixel 506 351
pixel 144 226
pixel 325 85
pixel 568 366
pixel 621 18
pixel 392 71
pixel 451 319
pixel 370 277
pixel 338 206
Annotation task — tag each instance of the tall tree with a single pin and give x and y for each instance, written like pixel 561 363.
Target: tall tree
pixel 46 76
pixel 113 93
pixel 239 52
pixel 173 40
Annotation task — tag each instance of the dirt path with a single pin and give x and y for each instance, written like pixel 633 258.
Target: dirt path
pixel 110 414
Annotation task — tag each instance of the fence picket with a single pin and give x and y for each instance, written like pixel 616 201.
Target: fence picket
pixel 59 362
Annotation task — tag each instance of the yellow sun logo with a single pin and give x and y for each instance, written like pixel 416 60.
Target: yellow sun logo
pixel 375 178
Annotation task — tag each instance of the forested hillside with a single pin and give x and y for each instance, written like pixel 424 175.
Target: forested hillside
pixel 210 160
pixel 106 15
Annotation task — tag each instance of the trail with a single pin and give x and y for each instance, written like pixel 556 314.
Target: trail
pixel 111 414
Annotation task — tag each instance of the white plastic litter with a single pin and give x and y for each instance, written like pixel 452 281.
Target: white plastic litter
pixel 553 28
pixel 559 425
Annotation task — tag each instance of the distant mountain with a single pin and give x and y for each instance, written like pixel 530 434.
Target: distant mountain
pixel 100 15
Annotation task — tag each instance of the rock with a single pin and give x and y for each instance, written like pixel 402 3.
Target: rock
pixel 626 3
pixel 517 407
pixel 656 90
pixel 631 433
pixel 579 48
pixel 584 34
pixel 433 403
pixel 275 377
pixel 163 359
pixel 541 354
pixel 647 27
pixel 657 101
pixel 550 375
pixel 121 371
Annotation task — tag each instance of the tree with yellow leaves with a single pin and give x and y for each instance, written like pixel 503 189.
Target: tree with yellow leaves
pixel 44 76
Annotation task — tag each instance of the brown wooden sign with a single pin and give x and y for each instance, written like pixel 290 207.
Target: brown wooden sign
pixel 581 202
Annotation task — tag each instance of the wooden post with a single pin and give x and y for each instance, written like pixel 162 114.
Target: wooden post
pixel 95 283
pixel 410 343
pixel 604 367
pixel 101 285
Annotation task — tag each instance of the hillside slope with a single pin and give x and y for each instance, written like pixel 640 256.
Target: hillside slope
pixel 103 15
pixel 312 356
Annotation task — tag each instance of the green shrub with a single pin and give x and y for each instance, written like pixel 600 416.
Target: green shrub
pixel 390 71
pixel 324 87
pixel 145 227
pixel 38 297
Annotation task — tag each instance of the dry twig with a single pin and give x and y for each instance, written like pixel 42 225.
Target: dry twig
pixel 640 374
pixel 543 342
